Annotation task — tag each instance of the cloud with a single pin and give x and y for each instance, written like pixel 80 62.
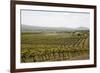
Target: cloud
pixel 55 19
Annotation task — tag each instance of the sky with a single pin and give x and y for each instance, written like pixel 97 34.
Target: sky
pixel 55 18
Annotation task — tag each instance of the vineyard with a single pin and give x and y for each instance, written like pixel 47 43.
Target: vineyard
pixel 54 47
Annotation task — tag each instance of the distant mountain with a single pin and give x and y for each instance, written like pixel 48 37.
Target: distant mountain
pixel 29 28
pixel 82 28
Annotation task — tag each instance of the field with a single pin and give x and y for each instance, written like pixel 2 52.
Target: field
pixel 41 47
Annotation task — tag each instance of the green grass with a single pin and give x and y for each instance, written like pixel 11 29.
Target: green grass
pixel 53 47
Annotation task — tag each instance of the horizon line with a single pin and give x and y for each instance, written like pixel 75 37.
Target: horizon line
pixel 55 27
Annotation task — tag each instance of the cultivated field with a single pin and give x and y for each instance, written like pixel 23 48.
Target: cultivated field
pixel 40 47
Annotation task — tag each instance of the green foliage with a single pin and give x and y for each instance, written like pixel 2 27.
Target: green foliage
pixel 53 47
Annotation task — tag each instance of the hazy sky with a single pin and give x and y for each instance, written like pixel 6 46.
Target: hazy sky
pixel 55 19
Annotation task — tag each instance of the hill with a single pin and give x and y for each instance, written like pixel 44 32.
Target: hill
pixel 29 28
